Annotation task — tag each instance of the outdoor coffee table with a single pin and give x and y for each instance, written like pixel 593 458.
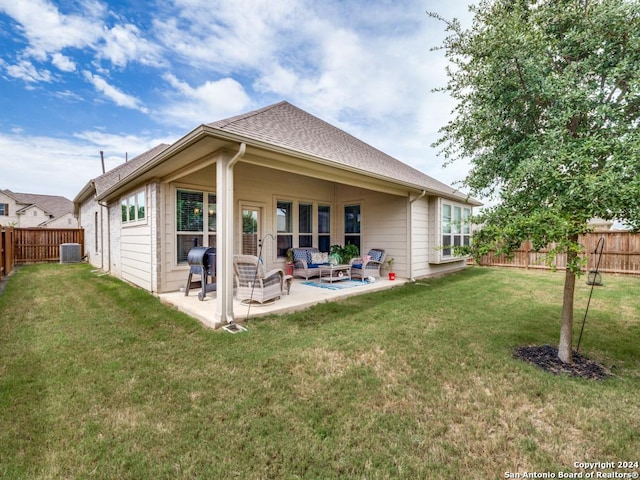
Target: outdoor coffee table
pixel 333 273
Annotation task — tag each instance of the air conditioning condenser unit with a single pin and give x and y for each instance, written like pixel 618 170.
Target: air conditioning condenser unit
pixel 70 253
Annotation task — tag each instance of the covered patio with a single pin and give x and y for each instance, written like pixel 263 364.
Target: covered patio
pixel 301 296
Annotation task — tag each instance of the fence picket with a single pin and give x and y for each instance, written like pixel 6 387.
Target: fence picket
pixel 621 254
pixel 37 245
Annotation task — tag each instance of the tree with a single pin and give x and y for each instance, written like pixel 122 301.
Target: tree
pixel 547 113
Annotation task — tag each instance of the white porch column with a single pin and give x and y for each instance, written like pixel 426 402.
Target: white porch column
pixel 225 230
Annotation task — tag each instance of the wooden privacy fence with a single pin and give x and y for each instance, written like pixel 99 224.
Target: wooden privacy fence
pixel 621 254
pixel 6 250
pixel 37 245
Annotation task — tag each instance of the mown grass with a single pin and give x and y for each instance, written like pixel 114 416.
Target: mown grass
pixel 100 380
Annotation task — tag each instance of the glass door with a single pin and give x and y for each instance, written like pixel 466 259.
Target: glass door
pixel 250 230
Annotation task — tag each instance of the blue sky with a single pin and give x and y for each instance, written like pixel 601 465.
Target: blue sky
pixel 81 76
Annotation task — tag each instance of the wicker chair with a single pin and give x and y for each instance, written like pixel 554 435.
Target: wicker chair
pixel 253 283
pixel 368 266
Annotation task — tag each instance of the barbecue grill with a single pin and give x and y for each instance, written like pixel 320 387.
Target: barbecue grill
pixel 202 261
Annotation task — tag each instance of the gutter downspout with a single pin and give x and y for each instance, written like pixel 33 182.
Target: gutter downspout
pixel 225 229
pixel 424 192
pixel 105 206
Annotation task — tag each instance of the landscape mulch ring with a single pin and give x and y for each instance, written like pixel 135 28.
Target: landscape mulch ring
pixel 546 357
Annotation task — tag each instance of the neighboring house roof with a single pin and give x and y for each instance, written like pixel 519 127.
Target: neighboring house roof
pixel 53 205
pixel 285 125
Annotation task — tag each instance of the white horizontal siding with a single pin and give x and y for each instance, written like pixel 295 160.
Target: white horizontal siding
pixel 135 255
pixel 420 240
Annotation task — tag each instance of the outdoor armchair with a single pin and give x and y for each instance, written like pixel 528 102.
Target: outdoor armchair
pixel 253 283
pixel 369 265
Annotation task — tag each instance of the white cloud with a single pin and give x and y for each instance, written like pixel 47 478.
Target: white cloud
pixel 64 165
pixel 48 31
pixel 112 93
pixel 205 103
pixel 363 66
pixel 63 62
pixel 226 36
pixel 124 43
pixel 26 71
pixel 120 146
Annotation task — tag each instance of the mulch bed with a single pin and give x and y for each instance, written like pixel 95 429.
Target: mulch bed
pixel 546 357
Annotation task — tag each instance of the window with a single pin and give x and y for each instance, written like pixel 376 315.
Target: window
pixel 466 227
pixel 352 225
pixel 140 204
pixel 133 207
pixel 191 229
pixel 324 228
pixel 297 222
pixel 305 225
pixel 95 231
pixel 284 216
pixel 456 229
pixel 446 230
pixel 4 209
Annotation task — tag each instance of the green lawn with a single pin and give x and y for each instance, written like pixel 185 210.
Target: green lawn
pixel 100 380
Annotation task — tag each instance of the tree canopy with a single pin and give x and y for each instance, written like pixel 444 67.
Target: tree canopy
pixel 547 113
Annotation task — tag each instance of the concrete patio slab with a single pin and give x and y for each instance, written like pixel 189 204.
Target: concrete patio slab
pixel 301 297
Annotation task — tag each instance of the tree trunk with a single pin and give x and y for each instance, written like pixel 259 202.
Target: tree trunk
pixel 566 329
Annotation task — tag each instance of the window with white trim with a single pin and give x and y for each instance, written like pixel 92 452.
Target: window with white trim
pixel 352 225
pixel 134 207
pixel 456 229
pixel 305 225
pixel 284 227
pixel 324 228
pixel 191 228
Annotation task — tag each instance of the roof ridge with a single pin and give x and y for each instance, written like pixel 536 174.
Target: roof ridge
pixel 225 122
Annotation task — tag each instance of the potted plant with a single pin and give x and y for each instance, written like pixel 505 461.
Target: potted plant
pixel 343 255
pixel 350 251
pixel 288 266
pixel 335 254
pixel 392 275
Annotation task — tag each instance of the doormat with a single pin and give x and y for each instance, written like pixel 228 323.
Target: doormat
pixel 339 285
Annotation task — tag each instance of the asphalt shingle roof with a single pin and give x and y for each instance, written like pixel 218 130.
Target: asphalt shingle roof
pixel 54 205
pixel 124 170
pixel 285 125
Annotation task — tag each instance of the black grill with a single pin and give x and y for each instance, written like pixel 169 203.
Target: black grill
pixel 202 261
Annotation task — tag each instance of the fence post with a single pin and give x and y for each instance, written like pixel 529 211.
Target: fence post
pixel 2 274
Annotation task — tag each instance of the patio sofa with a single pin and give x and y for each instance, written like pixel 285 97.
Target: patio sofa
pixel 307 262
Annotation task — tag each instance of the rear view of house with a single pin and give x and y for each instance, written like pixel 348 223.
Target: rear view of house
pixel 277 176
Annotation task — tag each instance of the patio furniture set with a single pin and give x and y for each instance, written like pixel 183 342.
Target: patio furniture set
pixel 255 284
